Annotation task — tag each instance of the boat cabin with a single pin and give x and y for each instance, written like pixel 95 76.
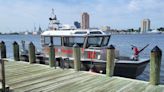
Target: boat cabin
pixel 89 41
pixel 84 38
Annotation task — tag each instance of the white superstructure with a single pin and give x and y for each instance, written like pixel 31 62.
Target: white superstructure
pixel 57 29
pixel 76 32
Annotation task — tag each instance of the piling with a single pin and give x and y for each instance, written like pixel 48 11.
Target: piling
pixel 155 64
pixel 16 51
pixel 3 75
pixel 110 61
pixel 32 56
pixel 77 57
pixel 3 49
pixel 52 61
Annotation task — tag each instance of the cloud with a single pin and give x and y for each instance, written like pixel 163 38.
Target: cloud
pixel 146 5
pixel 134 5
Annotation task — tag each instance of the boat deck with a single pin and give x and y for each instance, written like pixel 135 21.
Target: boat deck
pixel 24 77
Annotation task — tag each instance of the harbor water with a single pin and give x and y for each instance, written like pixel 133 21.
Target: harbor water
pixel 121 42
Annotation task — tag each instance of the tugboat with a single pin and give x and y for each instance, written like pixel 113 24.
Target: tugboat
pixel 92 43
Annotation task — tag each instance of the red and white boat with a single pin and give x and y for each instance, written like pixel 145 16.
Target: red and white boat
pixel 92 43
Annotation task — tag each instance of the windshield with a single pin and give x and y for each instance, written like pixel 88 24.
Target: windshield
pixel 105 41
pixel 94 41
pixel 47 40
pixel 57 41
pixel 70 41
pixel 97 41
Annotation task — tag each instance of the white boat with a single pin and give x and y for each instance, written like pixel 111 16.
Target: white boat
pixel 154 32
pixel 93 45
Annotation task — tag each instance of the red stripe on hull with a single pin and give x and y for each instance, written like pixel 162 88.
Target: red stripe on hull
pixel 67 51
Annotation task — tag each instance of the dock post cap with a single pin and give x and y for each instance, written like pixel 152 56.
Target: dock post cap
pixel 156 49
pixel 111 47
pixel 15 43
pixel 75 45
pixel 2 42
pixel 31 43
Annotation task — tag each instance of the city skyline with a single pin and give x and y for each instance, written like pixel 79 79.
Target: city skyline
pixel 21 15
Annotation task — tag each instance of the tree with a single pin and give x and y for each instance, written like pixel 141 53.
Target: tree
pixel 161 29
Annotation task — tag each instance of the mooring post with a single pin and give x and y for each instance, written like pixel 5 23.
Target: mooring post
pixel 77 57
pixel 110 61
pixel 3 49
pixel 32 56
pixel 155 64
pixel 2 75
pixel 52 61
pixel 16 51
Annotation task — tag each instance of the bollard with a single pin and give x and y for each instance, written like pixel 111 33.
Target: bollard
pixel 77 57
pixel 110 61
pixel 3 49
pixel 52 61
pixel 155 64
pixel 31 55
pixel 16 51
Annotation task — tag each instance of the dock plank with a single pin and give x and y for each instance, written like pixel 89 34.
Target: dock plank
pixel 30 78
pixel 44 84
pixel 62 88
pixel 25 77
pixel 62 83
pixel 82 84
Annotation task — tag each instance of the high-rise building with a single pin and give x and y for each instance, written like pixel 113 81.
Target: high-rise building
pixel 145 25
pixel 85 20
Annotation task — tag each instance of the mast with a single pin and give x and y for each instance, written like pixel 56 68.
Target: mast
pixel 54 23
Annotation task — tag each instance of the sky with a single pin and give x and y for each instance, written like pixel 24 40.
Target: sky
pixel 22 15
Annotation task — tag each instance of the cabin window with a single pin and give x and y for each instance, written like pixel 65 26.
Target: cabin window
pixel 57 41
pixel 94 41
pixel 96 32
pixel 47 40
pixel 80 32
pixel 105 41
pixel 70 41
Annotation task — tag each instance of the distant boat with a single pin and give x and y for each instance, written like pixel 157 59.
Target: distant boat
pixel 154 32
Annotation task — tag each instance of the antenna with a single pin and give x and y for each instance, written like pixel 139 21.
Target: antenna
pixel 52 10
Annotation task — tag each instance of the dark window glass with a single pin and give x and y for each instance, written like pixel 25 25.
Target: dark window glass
pixel 94 41
pixel 80 32
pixel 47 40
pixel 57 41
pixel 105 41
pixel 96 32
pixel 70 41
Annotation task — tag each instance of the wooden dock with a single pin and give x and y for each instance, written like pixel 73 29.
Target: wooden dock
pixel 25 77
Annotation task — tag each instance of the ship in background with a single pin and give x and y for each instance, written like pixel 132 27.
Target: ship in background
pixel 153 32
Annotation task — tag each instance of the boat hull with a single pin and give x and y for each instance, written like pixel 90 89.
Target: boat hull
pixel 123 68
pixel 129 70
